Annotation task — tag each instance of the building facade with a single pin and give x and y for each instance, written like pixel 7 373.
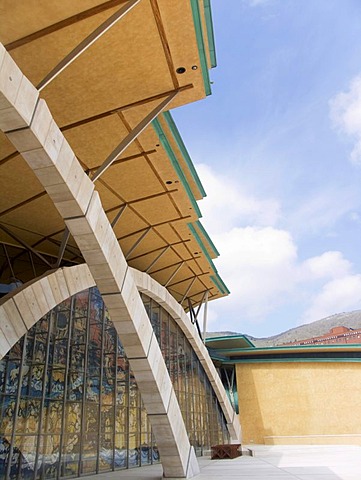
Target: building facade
pixel 336 335
pixel 293 395
pixel 102 248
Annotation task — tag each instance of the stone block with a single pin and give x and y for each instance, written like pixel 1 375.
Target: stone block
pixel 41 299
pixel 82 232
pixel 10 80
pixel 11 322
pixel 100 271
pixel 77 278
pixel 12 312
pixel 94 257
pixel 18 96
pixel 193 465
pixel 4 345
pixel 26 100
pixel 48 292
pixel 28 308
pixel 153 379
pixel 59 286
pixel 29 139
pixel 72 194
pixel 134 345
pixel 54 141
pixel 2 53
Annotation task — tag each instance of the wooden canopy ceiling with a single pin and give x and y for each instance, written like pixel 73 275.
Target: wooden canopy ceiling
pixel 159 48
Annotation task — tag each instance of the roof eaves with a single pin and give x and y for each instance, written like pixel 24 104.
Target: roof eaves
pixel 171 155
pixel 178 139
pixel 204 233
pixel 210 32
pixel 201 48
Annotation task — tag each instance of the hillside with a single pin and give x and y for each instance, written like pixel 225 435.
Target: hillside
pixel 309 330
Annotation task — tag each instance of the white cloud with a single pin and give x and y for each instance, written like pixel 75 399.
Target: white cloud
pixel 229 204
pixel 260 263
pixel 328 265
pixel 339 295
pixel 346 116
pixel 257 3
pixel 257 264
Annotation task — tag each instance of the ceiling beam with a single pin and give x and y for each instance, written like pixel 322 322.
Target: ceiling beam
pixel 127 106
pixel 149 252
pixel 62 248
pixel 154 226
pixel 24 244
pixel 21 204
pixel 123 160
pixel 164 41
pixel 174 273
pixel 139 200
pixel 135 245
pixel 9 157
pixel 132 135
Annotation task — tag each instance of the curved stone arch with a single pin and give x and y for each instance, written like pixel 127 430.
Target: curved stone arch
pixel 43 146
pixel 146 284
pixel 23 307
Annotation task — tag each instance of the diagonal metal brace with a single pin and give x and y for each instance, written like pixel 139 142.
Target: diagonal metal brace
pixel 62 248
pixel 24 244
pixel 133 135
pixel 86 43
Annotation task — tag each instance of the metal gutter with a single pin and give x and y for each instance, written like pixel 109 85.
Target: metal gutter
pixel 178 139
pixel 166 145
pixel 210 32
pixel 201 48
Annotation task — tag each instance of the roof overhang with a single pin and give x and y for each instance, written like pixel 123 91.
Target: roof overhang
pixel 150 191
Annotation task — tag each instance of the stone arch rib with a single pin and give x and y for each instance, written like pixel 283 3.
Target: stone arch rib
pixel 29 125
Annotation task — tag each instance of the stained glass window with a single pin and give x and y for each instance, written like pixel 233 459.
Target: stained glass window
pixel 70 405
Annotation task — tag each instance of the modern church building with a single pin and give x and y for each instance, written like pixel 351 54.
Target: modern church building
pixel 102 250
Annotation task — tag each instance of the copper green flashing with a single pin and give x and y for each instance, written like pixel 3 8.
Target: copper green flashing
pixel 220 284
pixel 210 32
pixel 216 279
pixel 201 48
pixel 201 244
pixel 295 360
pixel 178 139
pixel 207 237
pixel 166 145
pixel 231 337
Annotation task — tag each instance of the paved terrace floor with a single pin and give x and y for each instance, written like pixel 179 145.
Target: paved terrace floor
pixel 268 463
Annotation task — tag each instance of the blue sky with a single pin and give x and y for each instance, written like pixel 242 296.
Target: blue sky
pixel 278 150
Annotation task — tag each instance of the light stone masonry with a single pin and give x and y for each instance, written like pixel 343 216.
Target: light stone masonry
pixel 52 160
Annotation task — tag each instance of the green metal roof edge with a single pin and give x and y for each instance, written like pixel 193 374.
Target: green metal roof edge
pixel 210 32
pixel 205 234
pixel 294 360
pixel 230 337
pixel 164 141
pixel 178 139
pixel 200 243
pixel 220 283
pixel 201 49
pixel 216 279
pixel 347 346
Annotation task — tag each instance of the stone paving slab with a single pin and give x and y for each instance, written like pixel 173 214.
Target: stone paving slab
pixel 268 463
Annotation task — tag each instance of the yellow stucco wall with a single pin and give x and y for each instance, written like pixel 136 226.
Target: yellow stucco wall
pixel 300 403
